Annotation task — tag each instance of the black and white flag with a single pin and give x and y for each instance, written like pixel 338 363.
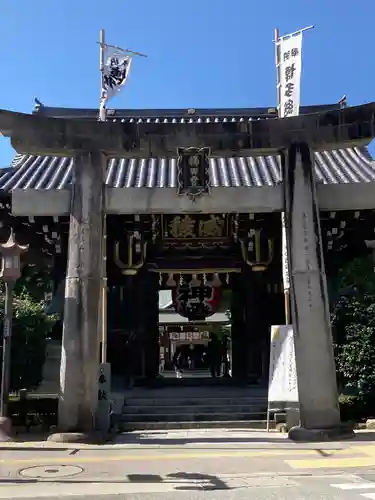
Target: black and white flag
pixel 290 69
pixel 115 74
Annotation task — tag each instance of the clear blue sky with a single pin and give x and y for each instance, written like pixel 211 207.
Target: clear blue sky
pixel 202 53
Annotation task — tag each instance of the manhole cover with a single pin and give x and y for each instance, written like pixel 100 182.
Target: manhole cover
pixel 51 471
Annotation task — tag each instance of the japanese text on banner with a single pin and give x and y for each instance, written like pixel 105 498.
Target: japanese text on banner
pixel 290 67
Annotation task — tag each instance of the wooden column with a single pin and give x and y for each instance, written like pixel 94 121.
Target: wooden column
pixel 145 307
pixel 80 344
pixel 238 331
pixel 256 306
pixel 313 338
pixel 150 316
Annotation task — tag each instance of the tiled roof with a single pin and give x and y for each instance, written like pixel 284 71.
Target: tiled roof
pixel 350 165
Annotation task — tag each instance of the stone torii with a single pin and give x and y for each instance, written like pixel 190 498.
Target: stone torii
pixel 91 143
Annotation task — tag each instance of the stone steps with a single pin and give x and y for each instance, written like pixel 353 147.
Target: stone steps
pixel 184 408
pixel 189 417
pixel 260 424
pixel 189 402
pixel 192 409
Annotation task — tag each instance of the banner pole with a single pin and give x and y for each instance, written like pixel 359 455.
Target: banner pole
pixel 102 111
pixel 104 326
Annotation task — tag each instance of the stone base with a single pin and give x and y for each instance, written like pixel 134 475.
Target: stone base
pixel 342 431
pixel 5 429
pixel 370 423
pixel 79 437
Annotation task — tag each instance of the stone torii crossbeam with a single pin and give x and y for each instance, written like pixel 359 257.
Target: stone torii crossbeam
pixel 91 143
pixel 38 135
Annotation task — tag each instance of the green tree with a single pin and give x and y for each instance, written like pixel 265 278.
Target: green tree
pixel 358 274
pixel 353 325
pixel 31 327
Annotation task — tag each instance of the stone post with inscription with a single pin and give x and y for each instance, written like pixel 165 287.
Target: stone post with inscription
pixel 319 411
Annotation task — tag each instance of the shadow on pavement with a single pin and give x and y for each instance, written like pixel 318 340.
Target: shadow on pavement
pixel 184 481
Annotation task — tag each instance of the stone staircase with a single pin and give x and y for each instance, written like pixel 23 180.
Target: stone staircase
pixel 194 407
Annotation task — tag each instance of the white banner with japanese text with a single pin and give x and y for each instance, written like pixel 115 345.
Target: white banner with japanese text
pixel 282 385
pixel 289 71
pixel 290 68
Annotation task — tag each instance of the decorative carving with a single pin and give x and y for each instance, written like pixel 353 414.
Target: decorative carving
pixel 211 228
pixel 253 251
pixel 155 227
pixel 136 253
pixel 182 227
pixel 196 231
pixel 193 171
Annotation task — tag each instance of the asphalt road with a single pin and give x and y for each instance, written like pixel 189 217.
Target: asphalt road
pixel 196 464
pixel 267 487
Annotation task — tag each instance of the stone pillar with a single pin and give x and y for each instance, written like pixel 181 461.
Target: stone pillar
pixel 80 344
pixel 320 416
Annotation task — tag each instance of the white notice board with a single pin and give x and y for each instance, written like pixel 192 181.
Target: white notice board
pixel 282 385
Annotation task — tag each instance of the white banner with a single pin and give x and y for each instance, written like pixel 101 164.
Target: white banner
pixel 289 71
pixel 115 74
pixel 290 68
pixel 282 385
pixel 116 71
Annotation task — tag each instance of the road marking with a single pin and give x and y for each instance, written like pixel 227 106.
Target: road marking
pixel 332 463
pixel 367 449
pixel 359 486
pixel 354 486
pixel 62 490
pixel 182 456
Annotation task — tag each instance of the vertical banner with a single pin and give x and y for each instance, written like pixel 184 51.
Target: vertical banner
pixel 289 69
pixel 282 385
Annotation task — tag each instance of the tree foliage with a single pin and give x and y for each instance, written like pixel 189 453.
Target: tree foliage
pixel 353 328
pixel 31 327
pixel 353 325
pixel 358 275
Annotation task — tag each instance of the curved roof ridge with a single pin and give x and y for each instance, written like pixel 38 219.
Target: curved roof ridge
pixel 92 113
pixel 351 165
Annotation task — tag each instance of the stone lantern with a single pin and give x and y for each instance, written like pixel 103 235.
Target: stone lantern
pixel 10 272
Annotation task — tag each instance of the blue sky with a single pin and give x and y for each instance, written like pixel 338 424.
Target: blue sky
pixel 202 53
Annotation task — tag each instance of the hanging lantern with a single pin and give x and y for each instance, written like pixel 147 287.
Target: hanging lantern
pixel 215 282
pixel 196 302
pixel 171 282
pixel 195 281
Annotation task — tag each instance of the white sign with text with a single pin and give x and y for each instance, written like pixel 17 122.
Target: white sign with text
pixel 282 386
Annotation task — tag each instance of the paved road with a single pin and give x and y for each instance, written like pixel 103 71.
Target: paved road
pixel 189 487
pixel 192 465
